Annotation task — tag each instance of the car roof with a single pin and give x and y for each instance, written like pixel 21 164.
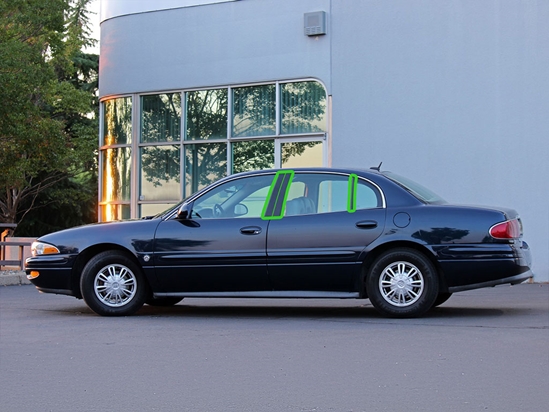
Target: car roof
pixel 358 171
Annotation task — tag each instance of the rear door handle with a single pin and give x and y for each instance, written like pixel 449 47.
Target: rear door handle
pixel 250 230
pixel 366 224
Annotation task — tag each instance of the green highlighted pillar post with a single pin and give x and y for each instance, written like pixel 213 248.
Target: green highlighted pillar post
pixel 351 193
pixel 275 205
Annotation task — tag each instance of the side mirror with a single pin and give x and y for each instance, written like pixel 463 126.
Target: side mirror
pixel 184 211
pixel 240 210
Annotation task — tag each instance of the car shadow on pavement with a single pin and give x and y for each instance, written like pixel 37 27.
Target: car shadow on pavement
pixel 365 311
pixel 238 310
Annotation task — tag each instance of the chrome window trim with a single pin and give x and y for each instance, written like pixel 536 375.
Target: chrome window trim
pixel 273 172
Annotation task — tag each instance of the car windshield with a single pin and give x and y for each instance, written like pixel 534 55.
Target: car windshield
pixel 422 193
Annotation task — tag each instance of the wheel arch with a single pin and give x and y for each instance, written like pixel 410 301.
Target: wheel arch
pixel 84 257
pixel 372 255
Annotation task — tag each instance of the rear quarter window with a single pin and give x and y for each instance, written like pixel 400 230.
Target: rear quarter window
pixel 420 192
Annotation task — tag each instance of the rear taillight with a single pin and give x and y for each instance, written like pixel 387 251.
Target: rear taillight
pixel 510 229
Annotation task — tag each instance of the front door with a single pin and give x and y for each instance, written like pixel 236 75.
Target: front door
pixel 222 246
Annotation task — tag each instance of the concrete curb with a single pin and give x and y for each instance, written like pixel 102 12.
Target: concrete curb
pixel 13 278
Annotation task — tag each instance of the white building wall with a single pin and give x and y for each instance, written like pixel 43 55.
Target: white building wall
pixel 217 44
pixel 454 94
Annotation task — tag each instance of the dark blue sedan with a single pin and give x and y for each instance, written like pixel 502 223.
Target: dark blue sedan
pixel 304 233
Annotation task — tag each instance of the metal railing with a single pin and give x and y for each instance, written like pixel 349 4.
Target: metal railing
pixel 20 262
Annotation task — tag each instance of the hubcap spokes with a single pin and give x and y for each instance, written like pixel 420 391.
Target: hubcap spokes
pixel 401 284
pixel 115 285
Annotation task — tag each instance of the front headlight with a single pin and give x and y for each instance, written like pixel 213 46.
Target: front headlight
pixel 40 248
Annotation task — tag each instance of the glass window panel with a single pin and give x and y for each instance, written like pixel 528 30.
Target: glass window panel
pixel 255 202
pixel 297 189
pixel 367 197
pixel 299 200
pixel 333 195
pixel 117 122
pixel 154 209
pixel 252 155
pixel 204 164
pixel 254 111
pixel 161 117
pixel 160 170
pixel 303 108
pixel 207 114
pixel 242 198
pixel 114 212
pixel 301 154
pixel 116 174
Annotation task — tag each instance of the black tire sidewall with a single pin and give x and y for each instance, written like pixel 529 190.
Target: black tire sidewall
pixel 430 278
pixel 87 280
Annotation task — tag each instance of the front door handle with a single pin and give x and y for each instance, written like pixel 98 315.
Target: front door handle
pixel 366 224
pixel 250 230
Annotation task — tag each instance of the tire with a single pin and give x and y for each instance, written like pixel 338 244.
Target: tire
pixel 402 283
pixel 112 284
pixel 441 298
pixel 166 301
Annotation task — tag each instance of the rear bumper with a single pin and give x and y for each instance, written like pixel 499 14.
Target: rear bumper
pixel 466 267
pixel 513 280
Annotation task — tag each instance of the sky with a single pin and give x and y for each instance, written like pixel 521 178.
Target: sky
pixel 94 19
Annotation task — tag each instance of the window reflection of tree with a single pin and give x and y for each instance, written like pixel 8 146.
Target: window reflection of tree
pixel 207 112
pixel 303 110
pixel 254 111
pixel 303 107
pixel 160 164
pixel 253 155
pixel 117 130
pixel 205 163
pixel 160 122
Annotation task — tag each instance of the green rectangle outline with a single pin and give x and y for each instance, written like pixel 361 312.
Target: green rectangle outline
pixel 286 191
pixel 351 193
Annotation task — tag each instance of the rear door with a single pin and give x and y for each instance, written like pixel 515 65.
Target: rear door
pixel 328 220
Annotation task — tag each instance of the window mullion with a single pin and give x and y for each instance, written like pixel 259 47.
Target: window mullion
pixel 135 154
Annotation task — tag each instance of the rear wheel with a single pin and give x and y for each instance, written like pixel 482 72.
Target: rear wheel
pixel 402 283
pixel 112 284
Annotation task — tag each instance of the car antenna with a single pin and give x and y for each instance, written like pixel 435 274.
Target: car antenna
pixel 378 168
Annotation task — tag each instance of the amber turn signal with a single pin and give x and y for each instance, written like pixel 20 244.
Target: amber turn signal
pixel 33 275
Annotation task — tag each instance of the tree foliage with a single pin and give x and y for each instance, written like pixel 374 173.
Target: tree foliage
pixel 48 130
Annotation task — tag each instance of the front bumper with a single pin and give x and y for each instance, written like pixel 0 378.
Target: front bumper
pixel 54 273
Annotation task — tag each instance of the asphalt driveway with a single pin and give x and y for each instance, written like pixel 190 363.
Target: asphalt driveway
pixel 482 350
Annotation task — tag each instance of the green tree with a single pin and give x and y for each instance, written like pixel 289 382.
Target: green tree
pixel 48 132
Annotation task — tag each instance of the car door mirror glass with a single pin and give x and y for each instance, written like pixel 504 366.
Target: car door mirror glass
pixel 240 210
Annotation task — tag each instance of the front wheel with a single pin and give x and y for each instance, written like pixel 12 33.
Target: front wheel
pixel 112 284
pixel 402 283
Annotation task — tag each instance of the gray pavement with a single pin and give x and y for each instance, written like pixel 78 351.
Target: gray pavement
pixel 13 278
pixel 482 350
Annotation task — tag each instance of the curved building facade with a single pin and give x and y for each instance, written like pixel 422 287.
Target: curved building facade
pixel 452 94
